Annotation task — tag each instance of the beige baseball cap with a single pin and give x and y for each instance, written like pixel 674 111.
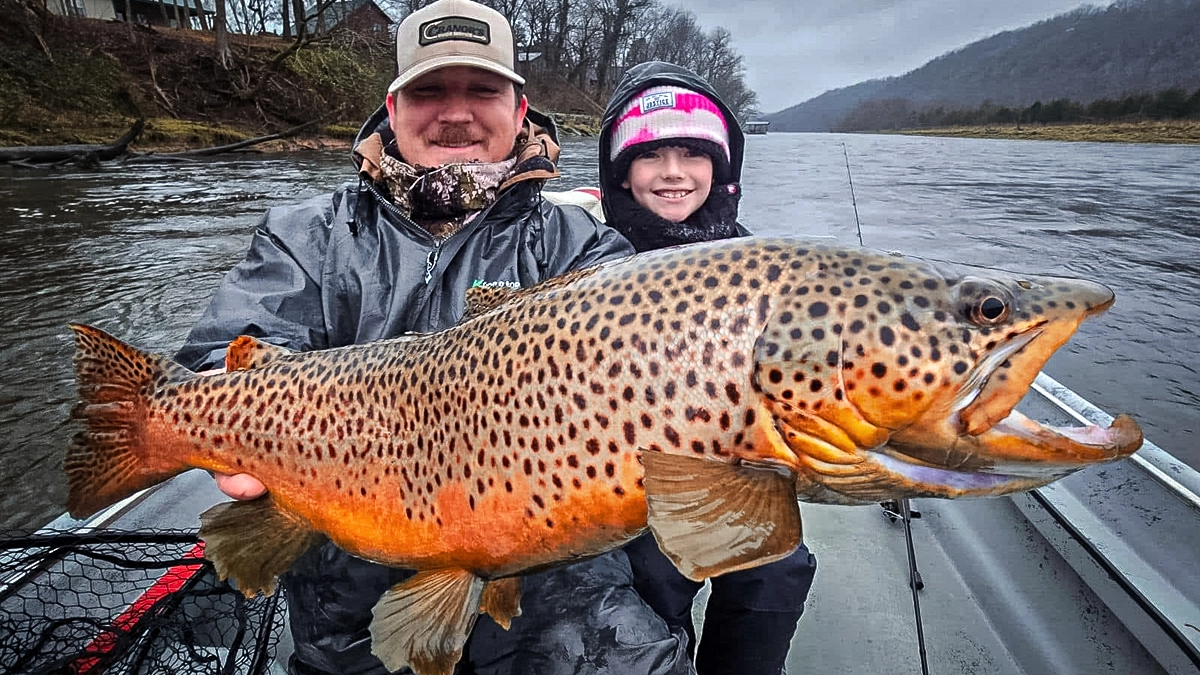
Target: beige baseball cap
pixel 454 33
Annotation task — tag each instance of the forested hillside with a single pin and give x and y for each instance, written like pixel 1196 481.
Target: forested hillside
pixel 1130 47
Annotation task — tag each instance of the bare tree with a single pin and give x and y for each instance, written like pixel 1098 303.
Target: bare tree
pixel 583 41
pixel 588 44
pixel 224 57
pixel 673 35
pixel 617 20
pixel 402 8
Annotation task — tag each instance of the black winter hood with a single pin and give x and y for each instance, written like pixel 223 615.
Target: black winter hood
pixel 717 219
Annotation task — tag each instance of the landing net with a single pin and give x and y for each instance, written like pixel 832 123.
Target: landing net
pixel 126 602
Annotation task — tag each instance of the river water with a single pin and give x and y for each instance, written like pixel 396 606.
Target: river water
pixel 138 250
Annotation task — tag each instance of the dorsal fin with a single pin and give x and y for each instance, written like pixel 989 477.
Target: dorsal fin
pixel 483 299
pixel 246 352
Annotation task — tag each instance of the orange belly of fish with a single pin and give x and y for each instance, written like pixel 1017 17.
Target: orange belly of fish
pixel 516 522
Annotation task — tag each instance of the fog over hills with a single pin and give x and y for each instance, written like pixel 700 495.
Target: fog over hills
pixel 1129 47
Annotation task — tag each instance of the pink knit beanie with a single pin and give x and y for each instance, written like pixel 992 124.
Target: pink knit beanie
pixel 665 112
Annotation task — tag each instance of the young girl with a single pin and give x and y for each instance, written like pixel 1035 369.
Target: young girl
pixel 670 162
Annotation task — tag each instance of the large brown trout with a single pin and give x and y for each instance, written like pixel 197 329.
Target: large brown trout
pixel 699 391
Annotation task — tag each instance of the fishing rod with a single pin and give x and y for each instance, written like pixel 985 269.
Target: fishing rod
pixel 853 201
pixel 906 512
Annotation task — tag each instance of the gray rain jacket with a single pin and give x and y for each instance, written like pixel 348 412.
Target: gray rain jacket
pixel 350 268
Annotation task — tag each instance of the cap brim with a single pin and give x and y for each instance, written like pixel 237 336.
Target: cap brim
pixel 452 60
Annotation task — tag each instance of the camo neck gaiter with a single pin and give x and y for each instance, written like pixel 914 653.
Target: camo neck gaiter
pixel 443 199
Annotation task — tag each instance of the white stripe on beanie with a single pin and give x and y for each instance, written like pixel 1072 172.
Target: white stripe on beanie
pixel 666 112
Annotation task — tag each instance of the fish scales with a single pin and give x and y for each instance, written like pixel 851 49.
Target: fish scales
pixel 523 437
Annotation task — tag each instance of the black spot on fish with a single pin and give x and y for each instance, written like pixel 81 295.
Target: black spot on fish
pixel 672 436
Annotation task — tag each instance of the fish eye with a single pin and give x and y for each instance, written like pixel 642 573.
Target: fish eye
pixel 989 310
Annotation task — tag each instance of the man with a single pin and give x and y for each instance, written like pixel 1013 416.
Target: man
pixel 449 197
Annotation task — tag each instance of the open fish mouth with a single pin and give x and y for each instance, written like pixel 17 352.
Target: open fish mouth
pixel 1014 455
pixel 983 445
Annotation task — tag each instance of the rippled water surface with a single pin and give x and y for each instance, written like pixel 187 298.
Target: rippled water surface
pixel 139 249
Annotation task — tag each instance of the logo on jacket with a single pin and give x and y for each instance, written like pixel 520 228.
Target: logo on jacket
pixel 480 283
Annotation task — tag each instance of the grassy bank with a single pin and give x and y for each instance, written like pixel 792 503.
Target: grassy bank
pixel 70 80
pixel 1160 131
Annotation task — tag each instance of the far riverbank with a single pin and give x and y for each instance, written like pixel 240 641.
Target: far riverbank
pixel 1150 131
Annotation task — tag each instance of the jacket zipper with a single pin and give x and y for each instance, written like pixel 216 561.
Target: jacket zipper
pixel 431 261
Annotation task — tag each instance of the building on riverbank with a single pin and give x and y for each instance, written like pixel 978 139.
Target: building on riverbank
pixel 167 13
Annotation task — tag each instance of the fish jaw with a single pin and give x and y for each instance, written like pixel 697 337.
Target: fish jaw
pixel 1024 455
pixel 927 361
pixel 1001 378
pixel 978 430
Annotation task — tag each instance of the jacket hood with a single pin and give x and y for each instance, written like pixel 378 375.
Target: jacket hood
pixel 657 73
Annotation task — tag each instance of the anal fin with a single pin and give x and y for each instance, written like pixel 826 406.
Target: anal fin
pixel 253 542
pixel 502 600
pixel 424 622
pixel 711 517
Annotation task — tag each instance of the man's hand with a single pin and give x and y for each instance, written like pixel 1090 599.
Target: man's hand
pixel 238 485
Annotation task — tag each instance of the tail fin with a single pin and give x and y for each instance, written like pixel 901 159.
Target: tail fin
pixel 111 459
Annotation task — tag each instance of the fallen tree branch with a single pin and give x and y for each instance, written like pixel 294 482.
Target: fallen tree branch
pixel 161 94
pixel 204 152
pixel 50 154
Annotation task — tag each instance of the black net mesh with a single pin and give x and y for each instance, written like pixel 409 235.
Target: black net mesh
pixel 126 602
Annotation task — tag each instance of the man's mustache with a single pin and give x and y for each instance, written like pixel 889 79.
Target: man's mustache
pixel 455 135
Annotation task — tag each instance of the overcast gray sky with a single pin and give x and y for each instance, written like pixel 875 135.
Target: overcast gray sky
pixel 797 49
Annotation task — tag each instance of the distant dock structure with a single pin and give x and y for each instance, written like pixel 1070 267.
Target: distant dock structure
pixel 757 127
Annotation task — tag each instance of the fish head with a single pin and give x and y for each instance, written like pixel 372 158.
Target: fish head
pixel 902 377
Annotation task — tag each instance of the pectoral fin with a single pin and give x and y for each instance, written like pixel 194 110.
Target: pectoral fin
pixel 424 622
pixel 711 517
pixel 253 542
